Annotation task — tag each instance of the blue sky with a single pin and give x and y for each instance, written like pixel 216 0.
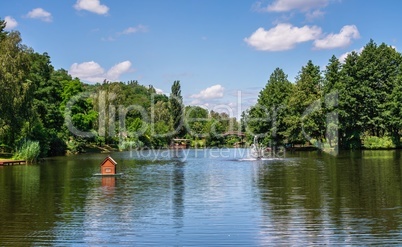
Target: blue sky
pixel 222 51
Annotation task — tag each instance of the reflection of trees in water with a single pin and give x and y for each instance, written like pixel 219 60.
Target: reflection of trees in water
pixel 291 202
pixel 138 198
pixel 367 185
pixel 36 200
pixel 178 180
pixel 317 193
pixel 22 203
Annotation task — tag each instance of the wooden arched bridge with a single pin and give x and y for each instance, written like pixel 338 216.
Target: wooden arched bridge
pixel 236 133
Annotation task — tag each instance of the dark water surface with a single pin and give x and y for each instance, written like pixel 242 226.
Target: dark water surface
pixel 204 198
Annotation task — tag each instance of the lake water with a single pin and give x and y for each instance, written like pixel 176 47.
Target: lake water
pixel 205 197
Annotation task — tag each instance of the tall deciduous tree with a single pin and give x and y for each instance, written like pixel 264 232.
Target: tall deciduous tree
pixel 304 118
pixel 332 75
pixel 351 104
pixel 370 80
pixel 196 119
pixel 377 68
pixel 3 33
pixel 16 90
pixel 267 116
pixel 177 109
pixel 332 80
pixel 394 109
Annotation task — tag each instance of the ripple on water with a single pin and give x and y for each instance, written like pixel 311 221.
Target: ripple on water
pixel 203 199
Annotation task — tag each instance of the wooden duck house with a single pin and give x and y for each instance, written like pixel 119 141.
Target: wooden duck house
pixel 108 166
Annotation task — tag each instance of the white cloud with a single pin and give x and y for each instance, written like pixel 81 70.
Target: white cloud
pixel 92 6
pixel 212 92
pixel 310 16
pixel 282 37
pixel 311 8
pixel 137 29
pixel 288 5
pixel 41 14
pixel 87 71
pixel 93 72
pixel 342 39
pixel 114 73
pixel 344 55
pixel 233 102
pixel 11 23
pixel 159 91
pixel 130 30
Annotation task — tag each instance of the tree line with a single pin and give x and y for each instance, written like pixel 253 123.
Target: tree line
pixel 353 104
pixel 62 114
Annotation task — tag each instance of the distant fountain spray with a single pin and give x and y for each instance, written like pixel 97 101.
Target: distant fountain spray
pixel 255 150
pixel 258 151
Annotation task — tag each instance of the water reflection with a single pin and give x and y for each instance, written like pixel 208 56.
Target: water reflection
pixel 303 199
pixel 109 182
pixel 178 188
pixel 355 198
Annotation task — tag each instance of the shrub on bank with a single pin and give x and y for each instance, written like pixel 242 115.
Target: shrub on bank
pixel 28 151
pixel 374 142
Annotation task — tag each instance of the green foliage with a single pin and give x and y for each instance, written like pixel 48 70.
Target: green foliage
pixel 332 75
pixel 160 134
pixel 64 114
pixel 361 95
pixel 214 130
pixel 267 117
pixel 377 67
pixel 337 106
pixel 375 142
pixel 76 145
pixel 15 87
pixel 28 151
pixel 130 145
pixel 304 116
pixel 195 120
pixel 3 33
pixel 57 146
pixel 198 143
pixel 231 140
pixel 177 109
